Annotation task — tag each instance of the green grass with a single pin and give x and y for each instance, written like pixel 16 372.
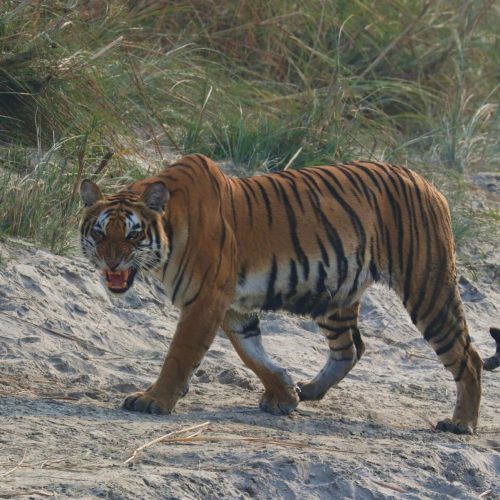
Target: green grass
pixel 267 85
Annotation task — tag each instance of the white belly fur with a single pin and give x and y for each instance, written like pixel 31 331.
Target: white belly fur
pixel 251 295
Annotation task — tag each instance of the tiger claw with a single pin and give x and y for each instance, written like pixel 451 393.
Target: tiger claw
pixel 279 405
pixel 141 402
pixel 448 425
pixel 308 391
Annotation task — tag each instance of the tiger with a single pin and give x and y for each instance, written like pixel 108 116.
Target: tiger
pixel 308 241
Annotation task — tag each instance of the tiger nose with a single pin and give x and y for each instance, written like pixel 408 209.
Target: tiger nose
pixel 113 262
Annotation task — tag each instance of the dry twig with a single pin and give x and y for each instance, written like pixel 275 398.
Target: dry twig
pixel 485 493
pixel 29 493
pixel 412 354
pixel 58 464
pixel 259 440
pixel 393 487
pixel 14 468
pixel 165 437
pixel 293 158
pixel 221 438
pixel 178 437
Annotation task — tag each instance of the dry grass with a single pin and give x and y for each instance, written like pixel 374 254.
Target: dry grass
pixel 269 85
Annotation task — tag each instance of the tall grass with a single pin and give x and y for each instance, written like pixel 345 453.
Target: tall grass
pixel 267 85
pixel 34 203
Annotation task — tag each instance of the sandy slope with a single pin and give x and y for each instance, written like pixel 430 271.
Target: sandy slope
pixel 68 357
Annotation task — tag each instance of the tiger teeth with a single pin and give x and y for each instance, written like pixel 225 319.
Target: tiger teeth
pixel 117 280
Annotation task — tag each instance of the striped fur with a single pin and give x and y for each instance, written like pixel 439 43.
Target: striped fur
pixel 307 241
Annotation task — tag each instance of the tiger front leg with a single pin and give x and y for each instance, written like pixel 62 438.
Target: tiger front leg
pixel 280 396
pixel 193 337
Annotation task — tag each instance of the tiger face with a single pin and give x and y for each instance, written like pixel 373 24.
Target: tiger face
pixel 123 234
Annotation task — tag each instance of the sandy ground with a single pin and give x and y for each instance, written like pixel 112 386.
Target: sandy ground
pixel 69 356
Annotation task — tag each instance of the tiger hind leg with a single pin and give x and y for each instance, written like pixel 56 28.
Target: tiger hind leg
pixel 280 396
pixel 340 327
pixel 446 331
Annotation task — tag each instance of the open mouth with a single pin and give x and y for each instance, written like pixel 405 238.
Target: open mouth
pixel 120 281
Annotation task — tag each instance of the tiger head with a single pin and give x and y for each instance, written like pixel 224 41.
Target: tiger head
pixel 123 234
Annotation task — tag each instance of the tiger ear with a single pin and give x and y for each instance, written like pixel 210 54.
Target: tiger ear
pixel 90 193
pixel 155 196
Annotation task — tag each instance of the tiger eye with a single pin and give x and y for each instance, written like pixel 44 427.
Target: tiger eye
pixel 135 235
pixel 97 234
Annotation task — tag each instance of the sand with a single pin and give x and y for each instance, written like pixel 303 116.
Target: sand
pixel 69 355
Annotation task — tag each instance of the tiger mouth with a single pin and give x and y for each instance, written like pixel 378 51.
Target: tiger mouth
pixel 121 281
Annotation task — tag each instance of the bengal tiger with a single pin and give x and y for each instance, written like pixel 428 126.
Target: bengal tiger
pixel 308 241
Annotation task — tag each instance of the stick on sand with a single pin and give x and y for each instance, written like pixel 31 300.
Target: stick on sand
pixel 179 437
pixel 200 427
pixel 16 467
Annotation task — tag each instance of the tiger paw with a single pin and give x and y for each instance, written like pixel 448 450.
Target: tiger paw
pixel 492 363
pixel 283 404
pixel 143 402
pixel 308 391
pixel 447 425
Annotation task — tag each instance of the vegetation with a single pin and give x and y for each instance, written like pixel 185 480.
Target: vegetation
pixel 267 85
